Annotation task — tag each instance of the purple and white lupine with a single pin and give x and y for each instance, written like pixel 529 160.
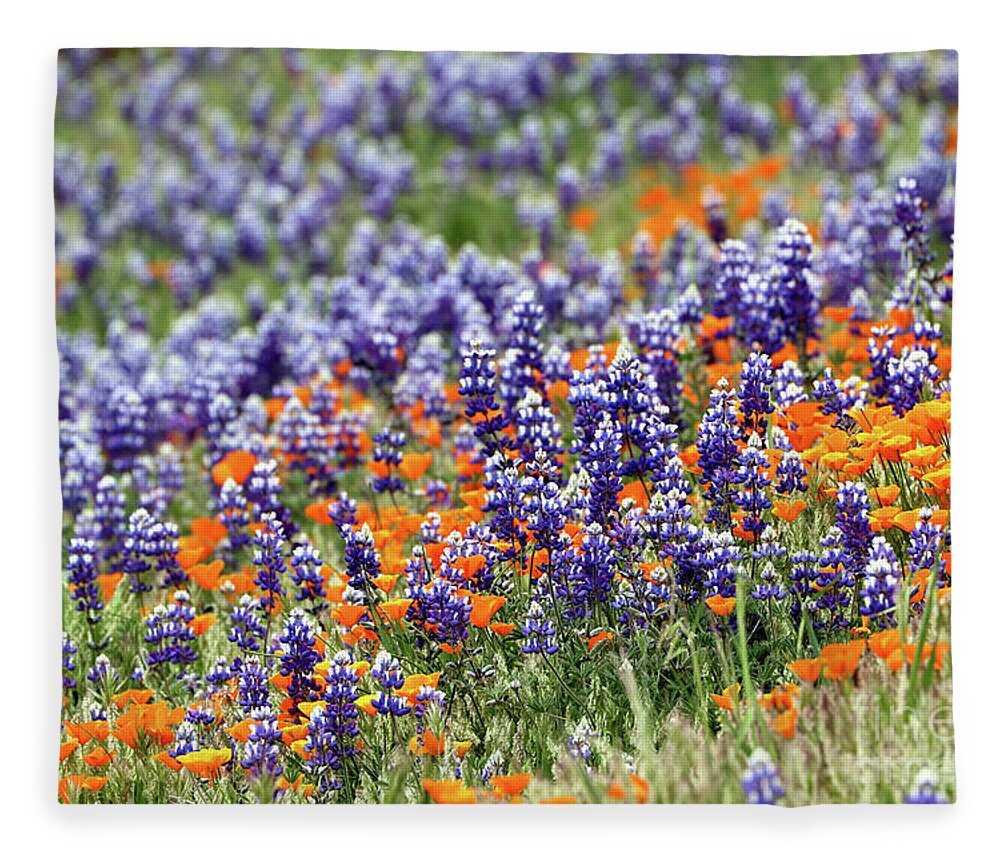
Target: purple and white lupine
pixel 388 674
pixel 539 633
pixel 269 561
pixel 306 574
pixel 880 586
pixel 718 435
pixel 333 726
pixel 299 657
pixel 254 687
pixel 248 629
pixel 477 384
pixel 925 789
pixel 797 290
pixel 81 573
pixel 169 634
pixel 761 782
pixel 752 498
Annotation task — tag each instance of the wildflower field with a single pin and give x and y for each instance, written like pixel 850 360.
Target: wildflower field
pixel 467 428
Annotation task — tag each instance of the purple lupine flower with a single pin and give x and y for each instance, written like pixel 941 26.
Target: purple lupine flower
pixel 907 377
pixel 840 397
pixel 523 362
pixel 168 632
pixel 102 672
pixel 477 385
pixel 361 560
pixel 148 544
pixel 81 572
pixel 602 465
pixel 218 676
pixel 269 559
pixel 109 514
pixel 333 726
pixel 735 267
pixel 254 690
pixel 759 319
pixel 925 789
pixel 69 649
pixel 299 657
pixel 247 626
pixel 909 216
pixel 262 751
pixel 504 500
pixel 754 393
pixel 539 633
pixel 388 452
pixel 445 614
pixel 123 427
pixel 927 541
pixel 853 508
pixel 537 429
pixel 752 497
pixel 790 475
pixel 658 339
pixel 761 782
pixel 723 561
pixel 718 435
pixel 882 577
pixel 834 580
pixel 388 674
pixel 799 303
pixel 306 564
pixel 343 511
pixel 233 514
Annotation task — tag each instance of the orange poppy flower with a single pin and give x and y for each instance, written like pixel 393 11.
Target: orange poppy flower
pixel 788 511
pixel 413 683
pixel 189 557
pixel 449 791
pixel 236 465
pixel 67 749
pixel 123 700
pixel 784 724
pixel 808 670
pixel 109 584
pixel 201 624
pixel 430 744
pixel 840 660
pixel 721 605
pixel 386 582
pixel 727 699
pixel 886 495
pixel 484 607
pixel 511 784
pixel 318 512
pixel 394 610
pixel 164 757
pixel 348 615
pixel 883 643
pixel 414 465
pixel 98 757
pixel 502 628
pixel 603 636
pixel 583 219
pixel 97 730
pixel 241 731
pixel 205 763
pixel 638 787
